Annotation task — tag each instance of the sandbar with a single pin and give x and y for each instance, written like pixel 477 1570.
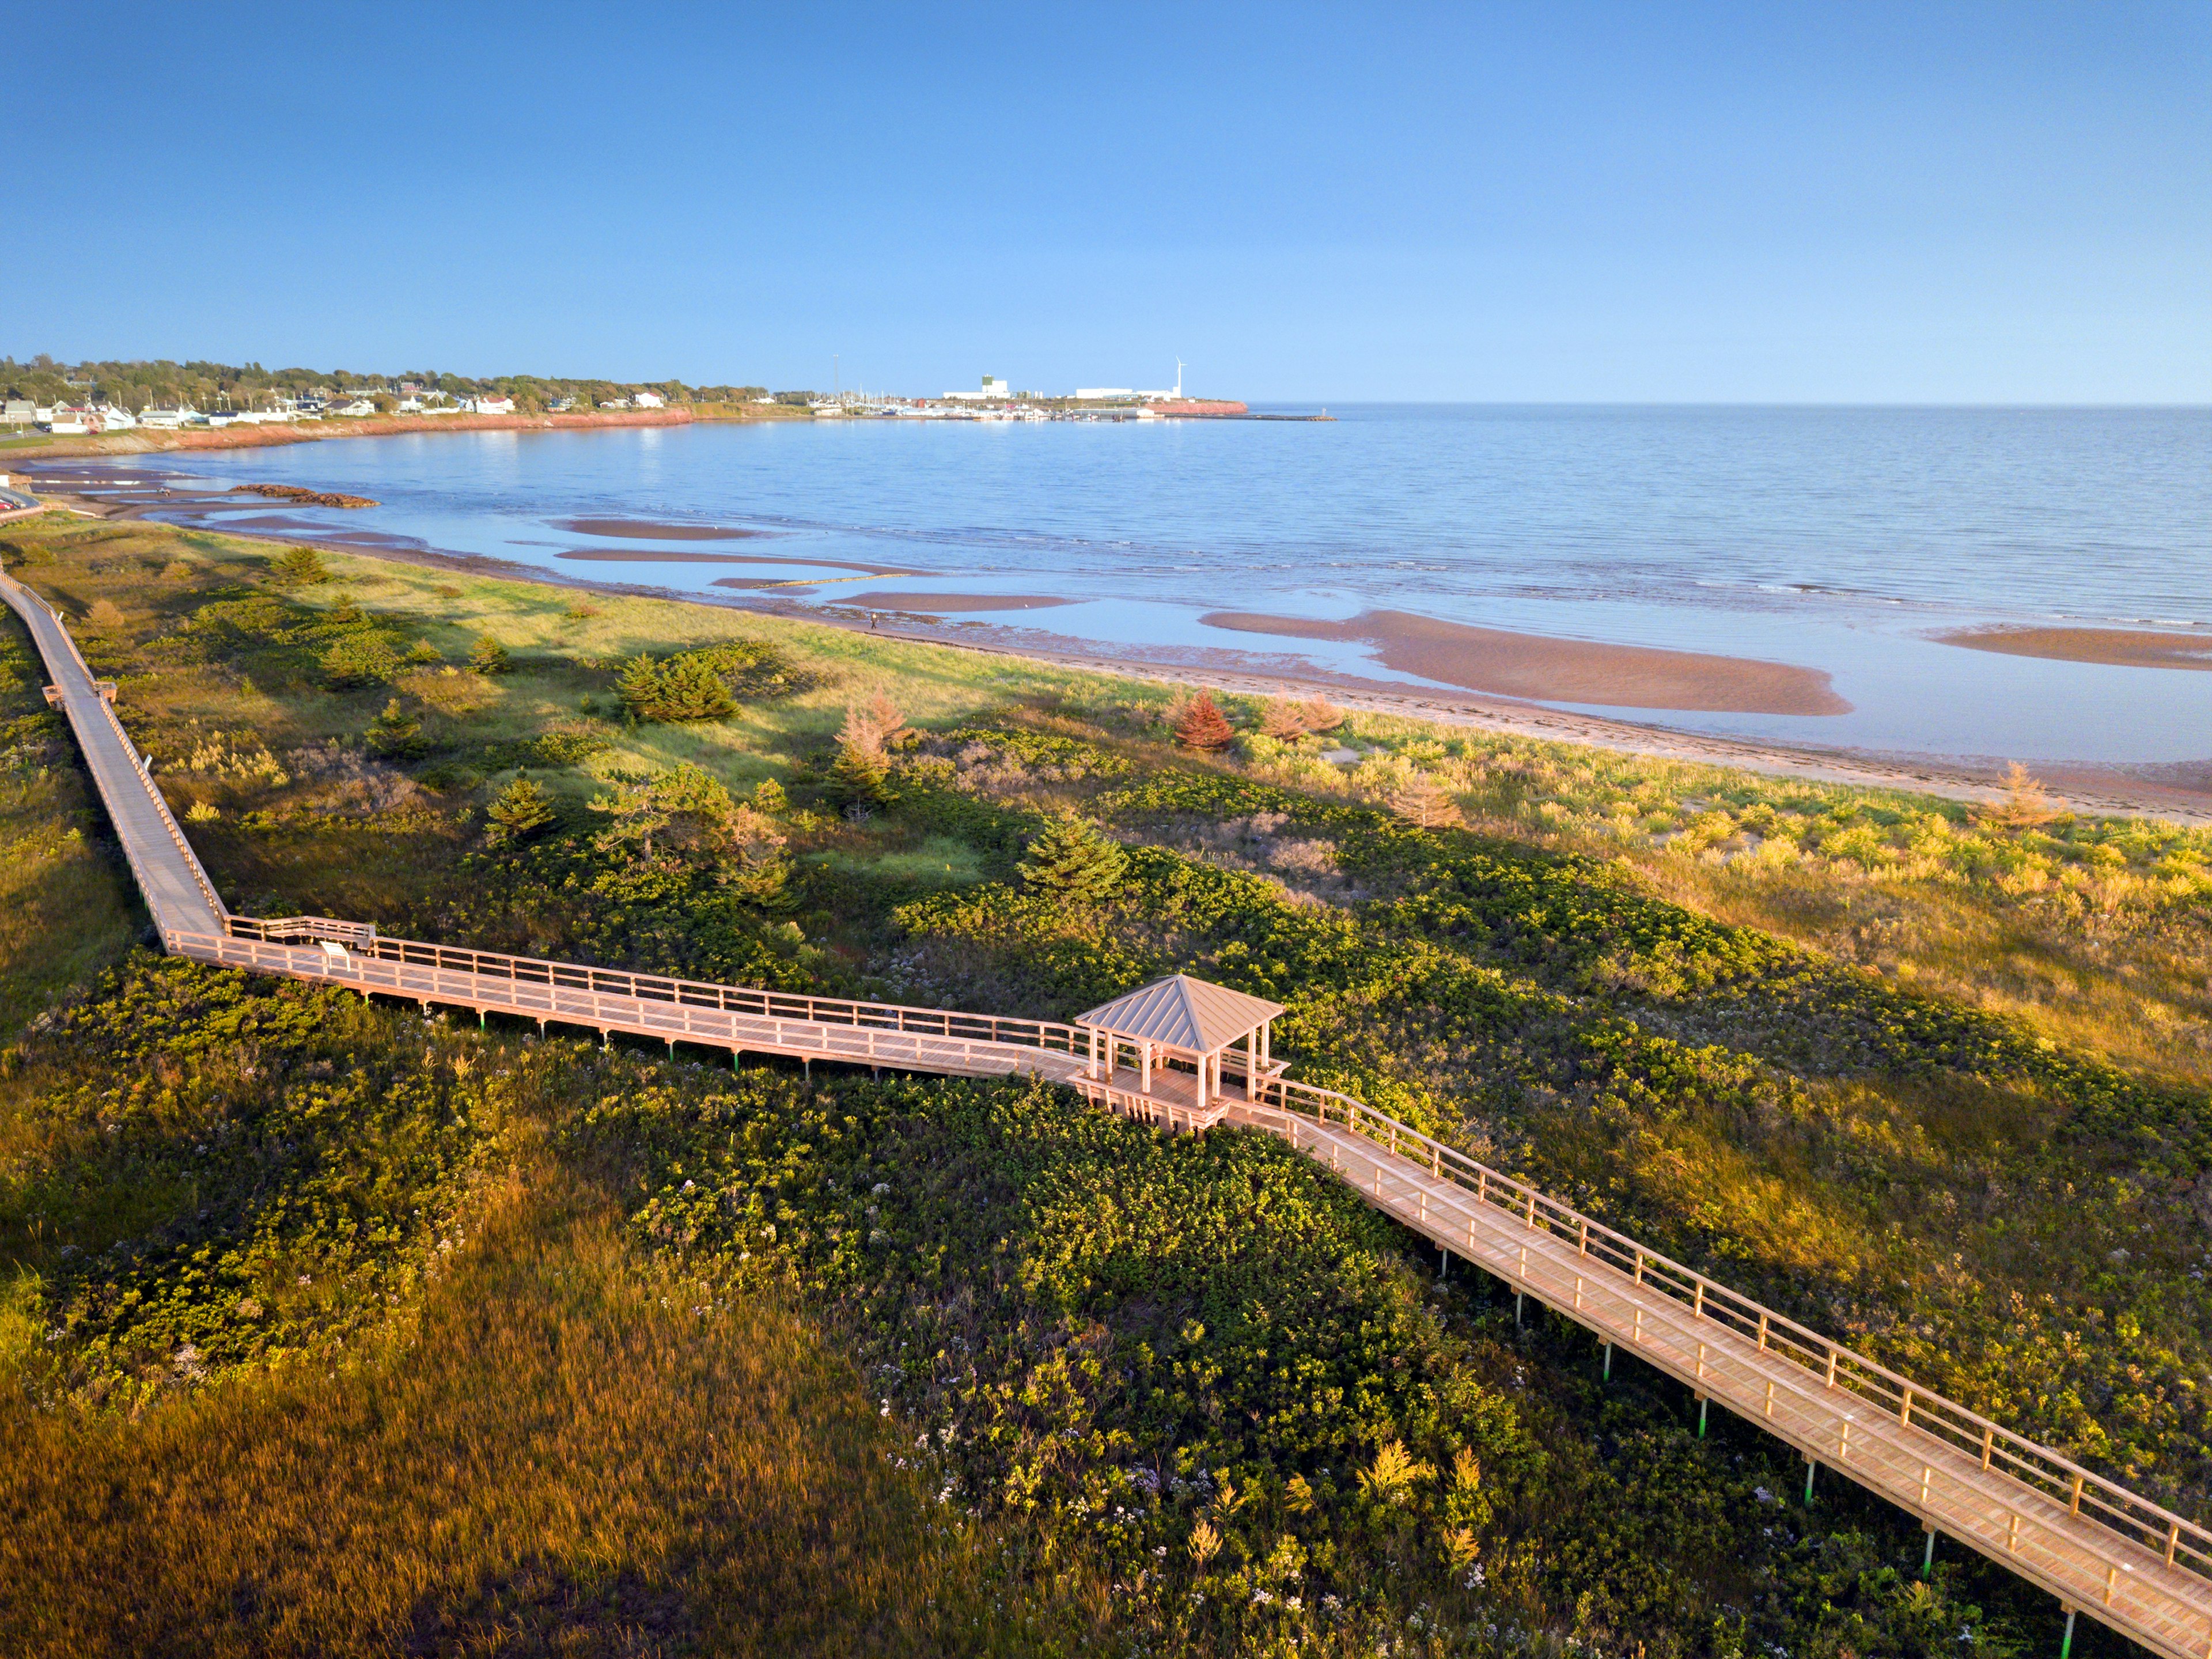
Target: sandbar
pixel 625 556
pixel 899 599
pixel 644 530
pixel 2122 648
pixel 1550 670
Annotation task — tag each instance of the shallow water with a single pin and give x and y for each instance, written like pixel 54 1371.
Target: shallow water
pixel 1838 539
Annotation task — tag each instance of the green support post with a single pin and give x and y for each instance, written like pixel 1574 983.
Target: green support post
pixel 2066 1642
pixel 1609 1362
pixel 1702 1403
pixel 1810 1467
pixel 1519 1297
pixel 1927 1560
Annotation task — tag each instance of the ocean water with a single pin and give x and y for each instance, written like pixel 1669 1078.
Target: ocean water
pixel 1840 539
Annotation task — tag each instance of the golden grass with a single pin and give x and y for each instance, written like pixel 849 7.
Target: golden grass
pixel 569 1456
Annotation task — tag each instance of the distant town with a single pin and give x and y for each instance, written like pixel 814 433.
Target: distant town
pixel 69 400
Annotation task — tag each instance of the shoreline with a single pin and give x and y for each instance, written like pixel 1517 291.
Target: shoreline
pixel 155 440
pixel 2177 792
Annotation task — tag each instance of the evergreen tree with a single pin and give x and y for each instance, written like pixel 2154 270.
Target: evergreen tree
pixel 859 778
pixel 1320 714
pixel 1201 724
pixel 1072 859
pixel 521 810
pixel 1282 720
pixel 1421 801
pixel 488 655
pixel 302 564
pixel 396 734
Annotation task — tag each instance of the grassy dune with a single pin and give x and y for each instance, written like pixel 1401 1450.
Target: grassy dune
pixel 1931 1078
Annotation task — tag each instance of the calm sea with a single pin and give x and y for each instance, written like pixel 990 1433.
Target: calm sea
pixel 1839 539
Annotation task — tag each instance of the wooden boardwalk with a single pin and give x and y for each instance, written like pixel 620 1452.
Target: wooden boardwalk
pixel 2101 1549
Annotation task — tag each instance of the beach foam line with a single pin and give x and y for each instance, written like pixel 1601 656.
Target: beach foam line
pixel 1550 670
pixel 2117 647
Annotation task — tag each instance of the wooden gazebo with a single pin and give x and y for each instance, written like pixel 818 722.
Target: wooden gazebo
pixel 1187 1037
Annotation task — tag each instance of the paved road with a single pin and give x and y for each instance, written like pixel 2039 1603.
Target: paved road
pixel 175 888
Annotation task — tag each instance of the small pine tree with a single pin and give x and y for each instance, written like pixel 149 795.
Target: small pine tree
pixel 488 655
pixel 1319 715
pixel 1201 724
pixel 396 734
pixel 521 810
pixel 1282 721
pixel 1071 859
pixel 639 687
pixel 301 565
pixel 2025 805
pixel 1420 802
pixel 858 777
pixel 768 797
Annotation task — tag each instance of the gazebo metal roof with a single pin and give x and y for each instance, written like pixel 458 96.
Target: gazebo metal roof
pixel 1182 1012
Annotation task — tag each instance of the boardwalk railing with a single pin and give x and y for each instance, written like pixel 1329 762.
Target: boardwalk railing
pixel 361 940
pixel 2175 1539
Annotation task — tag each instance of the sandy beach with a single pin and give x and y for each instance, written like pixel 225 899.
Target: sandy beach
pixel 1562 671
pixel 2119 647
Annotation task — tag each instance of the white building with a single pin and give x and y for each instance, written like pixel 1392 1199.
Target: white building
pixel 492 403
pixel 358 407
pixel 169 418
pixel 995 391
pixel 1102 394
pixel 649 400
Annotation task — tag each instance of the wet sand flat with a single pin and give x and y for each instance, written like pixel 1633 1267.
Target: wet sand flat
pixel 644 530
pixel 624 555
pixel 1562 671
pixel 2121 648
pixel 894 599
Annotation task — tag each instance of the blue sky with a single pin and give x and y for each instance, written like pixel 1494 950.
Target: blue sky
pixel 1550 201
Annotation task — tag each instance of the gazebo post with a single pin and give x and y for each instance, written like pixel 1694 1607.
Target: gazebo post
pixel 1143 1068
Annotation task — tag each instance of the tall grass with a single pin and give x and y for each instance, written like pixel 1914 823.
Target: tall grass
pixel 573 1453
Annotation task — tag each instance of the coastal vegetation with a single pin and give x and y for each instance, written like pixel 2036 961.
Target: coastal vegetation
pixel 331 1326
pixel 138 385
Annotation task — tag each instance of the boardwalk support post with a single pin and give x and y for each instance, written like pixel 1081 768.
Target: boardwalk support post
pixel 1928 1559
pixel 1702 1404
pixel 2066 1642
pixel 1810 1465
pixel 1519 1297
pixel 1609 1362
pixel 484 1020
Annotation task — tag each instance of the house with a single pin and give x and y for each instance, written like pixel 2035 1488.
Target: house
pixel 357 407
pixel 649 400
pixel 113 419
pixel 561 405
pixel 65 421
pixel 167 418
pixel 614 403
pixel 19 411
pixel 493 403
